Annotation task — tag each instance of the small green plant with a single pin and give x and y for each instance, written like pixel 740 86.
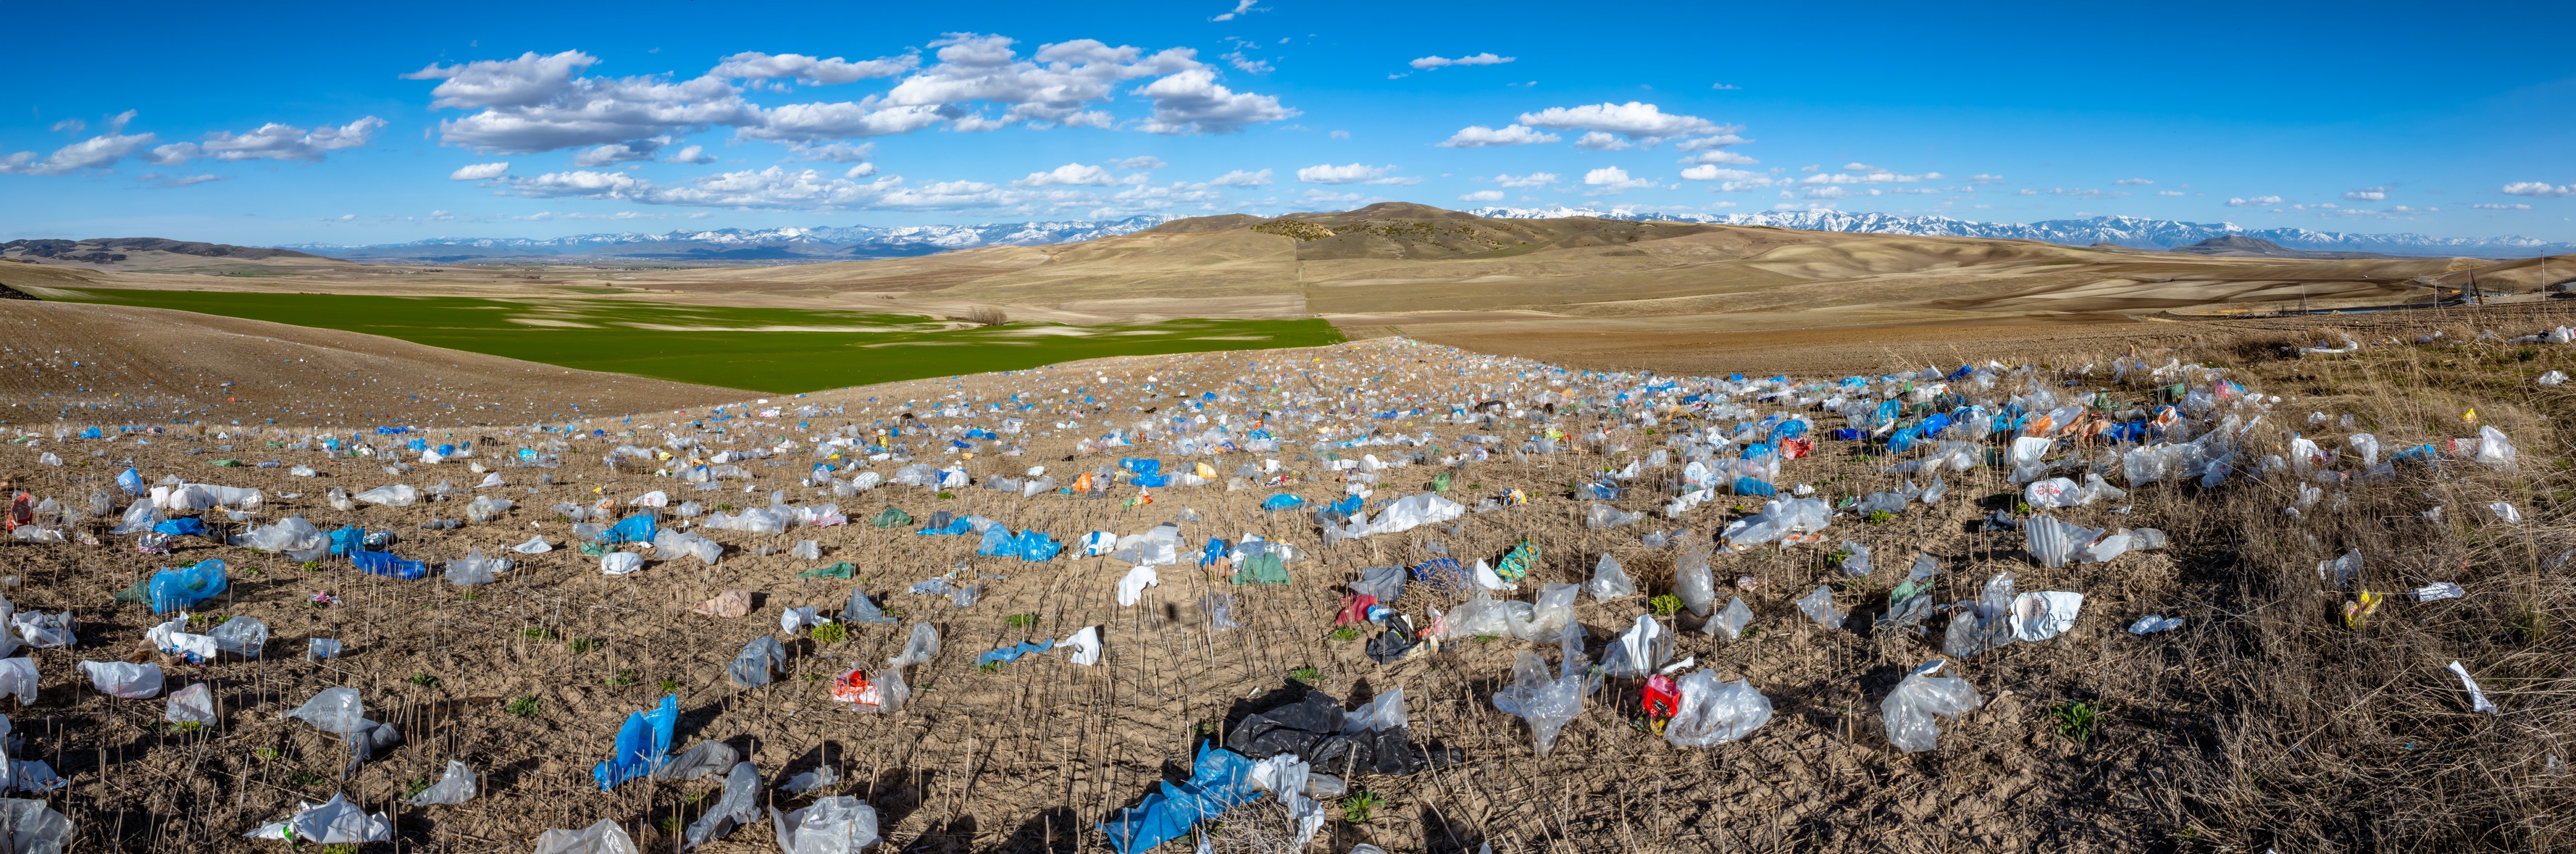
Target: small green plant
pixel 524 706
pixel 1477 485
pixel 1665 605
pixel 2021 507
pixel 669 685
pixel 2073 720
pixel 537 634
pixel 724 508
pixel 340 848
pixel 1020 621
pixel 579 646
pixel 305 779
pixel 1344 634
pixel 423 680
pixel 945 495
pixel 1307 674
pixel 312 566
pixel 1878 517
pixel 189 727
pixel 2529 625
pixel 1357 807
pixel 831 633
pixel 415 787
pixel 813 677
pixel 622 679
pixel 470 594
pixel 990 667
pixel 1482 639
pixel 1750 631
pixel 697 797
pixel 669 824
pixel 264 753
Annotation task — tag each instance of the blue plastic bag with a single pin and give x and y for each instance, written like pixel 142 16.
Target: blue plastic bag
pixel 385 564
pixel 998 542
pixel 131 481
pixel 1282 501
pixel 1214 552
pixel 184 526
pixel 347 541
pixel 1037 547
pixel 638 528
pixel 1220 780
pixel 1789 429
pixel 641 746
pixel 182 588
pixel 1751 486
pixel 955 527
pixel 1013 653
pixel 1141 466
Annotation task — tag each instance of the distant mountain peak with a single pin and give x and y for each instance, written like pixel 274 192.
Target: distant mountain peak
pixel 788 244
pixel 2135 232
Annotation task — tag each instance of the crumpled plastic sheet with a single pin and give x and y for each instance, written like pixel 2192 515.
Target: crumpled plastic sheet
pixel 1984 624
pixel 1914 708
pixel 195 703
pixel 1730 623
pixel 700 760
pixel 1693 581
pixel 2053 543
pixel 1712 713
pixel 33 827
pixel 1819 606
pixel 2041 615
pixel 1219 781
pixel 861 609
pixel 123 680
pixel 1546 702
pixel 184 587
pixel 1779 519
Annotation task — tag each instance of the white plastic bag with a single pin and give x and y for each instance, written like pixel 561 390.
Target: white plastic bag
pixel 122 680
pixel 1609 580
pixel 1639 650
pixel 834 825
pixel 332 822
pixel 454 787
pixel 602 838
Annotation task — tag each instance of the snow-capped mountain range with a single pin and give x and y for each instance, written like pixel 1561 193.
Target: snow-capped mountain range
pixel 736 244
pixel 2119 230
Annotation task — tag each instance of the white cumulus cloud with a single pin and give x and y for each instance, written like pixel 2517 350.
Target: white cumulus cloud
pixel 754 65
pixel 1480 136
pixel 479 171
pixel 1482 196
pixel 1347 174
pixel 2367 194
pixel 1638 121
pixel 2537 189
pixel 1240 178
pixel 1608 180
pixel 2255 202
pixel 1431 62
pixel 1070 174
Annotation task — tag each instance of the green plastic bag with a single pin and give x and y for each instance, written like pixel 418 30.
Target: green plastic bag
pixel 839 570
pixel 891 518
pixel 1261 569
pixel 1440 482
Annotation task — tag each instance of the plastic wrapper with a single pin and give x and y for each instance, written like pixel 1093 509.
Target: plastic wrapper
pixel 1603 516
pixel 861 609
pixel 1385 583
pixel 1913 710
pixel 474 568
pixel 620 563
pixel 192 704
pixel 140 517
pixel 1855 559
pixel 1712 713
pixel 397 495
pixel 2153 623
pixel 1730 623
pixel 1550 615
pixel 333 822
pixel 2038 616
pixel 1609 580
pixel 701 760
pixel 1984 624
pixel 244 636
pixel 34 828
pixel 1779 519
pixel 456 786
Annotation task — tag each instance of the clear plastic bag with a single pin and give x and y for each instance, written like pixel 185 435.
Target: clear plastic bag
pixel 863 610
pixel 34 828
pixel 123 680
pixel 1855 559
pixel 474 568
pixel 1550 615
pixel 1638 651
pixel 1546 702
pixel 753 666
pixel 333 710
pixel 700 760
pixel 1819 606
pixel 1609 580
pixel 602 838
pixel 2053 543
pixel 739 805
pixel 834 825
pixel 1712 713
pixel 1693 582
pixel 1730 623
pixel 1219 610
pixel 454 787
pixel 192 704
pixel 1913 710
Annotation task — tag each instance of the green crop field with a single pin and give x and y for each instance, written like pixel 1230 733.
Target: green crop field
pixel 760 349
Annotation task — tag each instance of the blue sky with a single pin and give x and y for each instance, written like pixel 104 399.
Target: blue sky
pixel 342 124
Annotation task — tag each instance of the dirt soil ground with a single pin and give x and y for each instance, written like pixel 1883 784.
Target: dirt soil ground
pixel 1031 755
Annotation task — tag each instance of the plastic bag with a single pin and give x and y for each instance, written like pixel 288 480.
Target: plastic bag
pixel 1546 702
pixel 33 827
pixel 1384 583
pixel 244 636
pixel 195 703
pixel 862 610
pixel 1819 606
pixel 1639 650
pixel 1732 621
pixel 2494 449
pixel 1914 708
pixel 834 825
pixel 454 787
pixel 739 805
pixel 177 589
pixel 602 838
pixel 333 710
pixel 1609 580
pixel 1855 559
pixel 42 630
pixel 1553 613
pixel 620 563
pixel 122 680
pixel 1693 583
pixel 1712 713
pixel 333 822
pixel 2045 614
pixel 751 668
pixel 18 679
pixel 700 760
pixel 2052 543
pixel 474 568
pixel 397 495
pixel 641 744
